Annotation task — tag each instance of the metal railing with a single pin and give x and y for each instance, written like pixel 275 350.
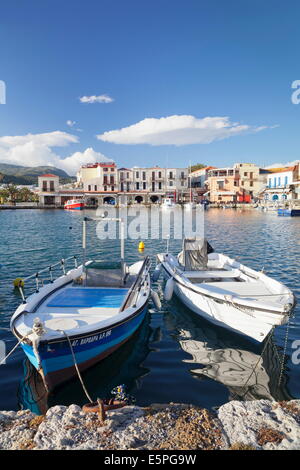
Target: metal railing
pixel 38 281
pixel 134 291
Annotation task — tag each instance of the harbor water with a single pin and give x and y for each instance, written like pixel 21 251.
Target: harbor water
pixel 175 355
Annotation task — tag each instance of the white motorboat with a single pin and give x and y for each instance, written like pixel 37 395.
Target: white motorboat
pixel 168 202
pixel 225 291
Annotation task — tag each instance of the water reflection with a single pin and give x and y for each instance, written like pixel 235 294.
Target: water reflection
pixel 250 372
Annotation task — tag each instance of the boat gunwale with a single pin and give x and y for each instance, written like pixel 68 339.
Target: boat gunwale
pixel 177 279
pixel 143 269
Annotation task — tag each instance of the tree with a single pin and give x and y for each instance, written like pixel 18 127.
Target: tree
pixel 12 191
pixel 197 166
pixel 25 195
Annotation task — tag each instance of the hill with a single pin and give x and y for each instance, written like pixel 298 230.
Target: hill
pixel 26 175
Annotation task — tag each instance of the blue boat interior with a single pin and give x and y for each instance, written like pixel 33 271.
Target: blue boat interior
pixel 88 298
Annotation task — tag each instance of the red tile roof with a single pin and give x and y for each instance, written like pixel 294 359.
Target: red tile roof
pixel 49 175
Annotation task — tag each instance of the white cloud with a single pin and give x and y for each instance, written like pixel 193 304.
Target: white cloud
pixel 177 130
pixel 72 163
pixel 96 99
pixel 283 165
pixel 72 124
pixel 36 150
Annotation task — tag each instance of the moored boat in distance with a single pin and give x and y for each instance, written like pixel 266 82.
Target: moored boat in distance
pixel 74 204
pixel 168 202
pixel 83 316
pixel 224 291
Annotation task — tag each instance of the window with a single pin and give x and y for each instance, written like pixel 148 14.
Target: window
pixel 182 174
pixel 112 169
pixel 170 183
pixel 44 185
pixel 245 173
pixel 128 187
pixel 95 187
pixel 112 188
pixel 220 184
pixel 137 174
pixel 105 169
pixel 153 175
pixel 112 180
pixel 105 188
pixel 153 186
pixel 137 186
pixel 251 183
pixel 159 174
pixel 159 185
pixel 122 187
pixel 144 175
pixel 144 185
pixel 128 175
pixel 171 174
pixel 105 179
pixel 279 181
pixel 51 185
pixel 285 180
pixel 89 187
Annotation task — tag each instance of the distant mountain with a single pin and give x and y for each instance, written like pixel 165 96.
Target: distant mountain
pixel 17 174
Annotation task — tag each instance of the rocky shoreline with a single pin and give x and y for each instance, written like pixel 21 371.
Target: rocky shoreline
pixel 236 425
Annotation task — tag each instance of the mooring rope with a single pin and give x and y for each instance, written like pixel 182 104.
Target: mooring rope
pixel 13 349
pixel 76 367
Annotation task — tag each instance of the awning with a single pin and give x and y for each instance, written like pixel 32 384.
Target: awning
pixel 277 190
pixel 226 193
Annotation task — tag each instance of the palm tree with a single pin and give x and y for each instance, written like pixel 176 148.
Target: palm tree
pixel 12 191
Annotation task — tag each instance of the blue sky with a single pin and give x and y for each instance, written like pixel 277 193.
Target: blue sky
pixel 157 59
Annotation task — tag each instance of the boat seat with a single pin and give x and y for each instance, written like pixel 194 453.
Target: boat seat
pixel 245 289
pixel 212 274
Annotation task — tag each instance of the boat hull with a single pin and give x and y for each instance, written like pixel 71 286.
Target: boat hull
pixel 252 324
pixel 57 363
pixel 78 206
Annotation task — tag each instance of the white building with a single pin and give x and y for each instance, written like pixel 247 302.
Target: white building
pixel 281 184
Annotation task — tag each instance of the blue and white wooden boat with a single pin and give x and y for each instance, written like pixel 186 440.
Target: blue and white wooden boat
pixel 83 316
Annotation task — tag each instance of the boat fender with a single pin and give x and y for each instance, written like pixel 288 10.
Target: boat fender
pixel 156 299
pixel 18 282
pixel 168 292
pixel 156 273
pixel 141 246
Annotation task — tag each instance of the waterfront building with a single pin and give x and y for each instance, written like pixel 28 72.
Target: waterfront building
pixel 241 183
pixel 283 185
pixel 105 183
pixel 198 182
pixel 52 194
